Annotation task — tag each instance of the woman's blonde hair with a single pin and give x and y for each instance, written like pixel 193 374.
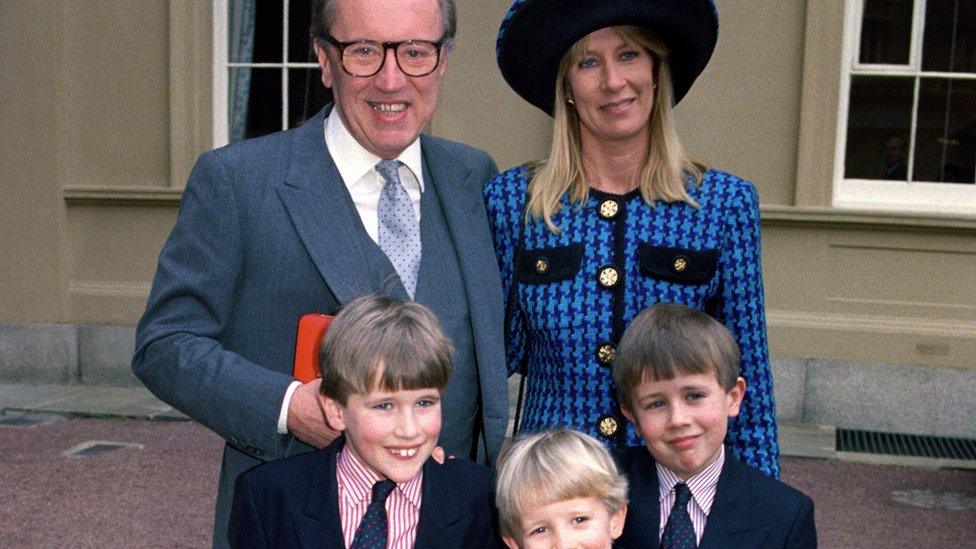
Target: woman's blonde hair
pixel 553 466
pixel 666 168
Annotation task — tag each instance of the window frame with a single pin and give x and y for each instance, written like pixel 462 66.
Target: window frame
pixel 882 195
pixel 222 67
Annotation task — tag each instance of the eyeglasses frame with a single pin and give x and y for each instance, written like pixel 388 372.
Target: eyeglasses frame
pixel 341 46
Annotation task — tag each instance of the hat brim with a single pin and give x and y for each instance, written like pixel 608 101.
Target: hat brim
pixel 538 33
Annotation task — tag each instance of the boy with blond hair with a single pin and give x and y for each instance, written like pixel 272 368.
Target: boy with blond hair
pixel 385 364
pixel 560 488
pixel 677 378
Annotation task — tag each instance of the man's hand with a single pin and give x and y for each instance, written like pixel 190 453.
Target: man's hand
pixel 306 419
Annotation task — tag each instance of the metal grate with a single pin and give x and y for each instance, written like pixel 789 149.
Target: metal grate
pixel 896 444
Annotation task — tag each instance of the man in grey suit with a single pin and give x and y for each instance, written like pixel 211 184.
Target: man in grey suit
pixel 305 220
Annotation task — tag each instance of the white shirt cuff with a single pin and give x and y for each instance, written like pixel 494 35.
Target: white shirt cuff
pixel 283 416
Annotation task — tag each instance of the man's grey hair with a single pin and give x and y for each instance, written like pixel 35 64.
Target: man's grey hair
pixel 323 14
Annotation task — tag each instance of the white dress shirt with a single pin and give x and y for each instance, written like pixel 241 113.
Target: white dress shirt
pixel 702 487
pixel 357 166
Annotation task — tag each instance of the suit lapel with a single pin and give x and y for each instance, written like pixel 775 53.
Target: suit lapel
pixel 324 215
pixel 438 510
pixel 465 216
pixel 731 522
pixel 644 512
pixel 317 522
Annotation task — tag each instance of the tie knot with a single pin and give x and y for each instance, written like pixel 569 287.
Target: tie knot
pixel 388 169
pixel 681 494
pixel 382 489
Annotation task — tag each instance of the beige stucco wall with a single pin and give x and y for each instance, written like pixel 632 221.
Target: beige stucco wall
pixel 106 103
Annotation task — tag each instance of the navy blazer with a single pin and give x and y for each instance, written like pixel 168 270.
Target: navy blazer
pixel 267 232
pixel 294 502
pixel 749 510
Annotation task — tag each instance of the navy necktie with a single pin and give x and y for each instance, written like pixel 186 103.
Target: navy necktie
pixel 371 532
pixel 679 533
pixel 399 232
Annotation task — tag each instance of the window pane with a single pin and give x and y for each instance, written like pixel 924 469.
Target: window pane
pixel 299 41
pixel 945 142
pixel 260 91
pixel 878 125
pixel 886 31
pixel 306 95
pixel 268 32
pixel 950 36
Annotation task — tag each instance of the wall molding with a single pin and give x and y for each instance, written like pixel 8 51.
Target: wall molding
pixel 121 196
pixel 823 216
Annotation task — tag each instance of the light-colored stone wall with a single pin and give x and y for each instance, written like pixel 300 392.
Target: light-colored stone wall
pixel 107 103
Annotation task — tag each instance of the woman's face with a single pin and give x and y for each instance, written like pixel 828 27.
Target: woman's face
pixel 612 85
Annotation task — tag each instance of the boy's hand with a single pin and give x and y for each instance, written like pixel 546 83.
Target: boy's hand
pixel 306 419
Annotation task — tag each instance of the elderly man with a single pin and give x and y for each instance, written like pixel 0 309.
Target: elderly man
pixel 354 201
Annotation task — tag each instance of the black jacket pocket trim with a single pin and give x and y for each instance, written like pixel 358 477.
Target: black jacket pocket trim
pixel 549 264
pixel 681 265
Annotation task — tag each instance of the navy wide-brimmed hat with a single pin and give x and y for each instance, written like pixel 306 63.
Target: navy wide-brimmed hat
pixel 535 35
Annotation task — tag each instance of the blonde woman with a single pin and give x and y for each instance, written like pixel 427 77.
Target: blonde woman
pixel 619 217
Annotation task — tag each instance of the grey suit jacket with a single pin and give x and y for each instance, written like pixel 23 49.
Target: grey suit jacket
pixel 266 233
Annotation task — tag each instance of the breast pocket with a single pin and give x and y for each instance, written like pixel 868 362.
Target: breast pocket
pixel 547 265
pixel 678 265
pixel 549 286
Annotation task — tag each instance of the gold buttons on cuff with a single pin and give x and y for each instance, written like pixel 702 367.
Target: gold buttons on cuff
pixel 608 277
pixel 609 209
pixel 680 264
pixel 608 426
pixel 541 265
pixel 606 353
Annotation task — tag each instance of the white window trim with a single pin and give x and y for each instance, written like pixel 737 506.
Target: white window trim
pixel 875 195
pixel 221 74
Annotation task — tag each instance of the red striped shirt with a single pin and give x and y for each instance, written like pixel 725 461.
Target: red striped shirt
pixel 355 481
pixel 702 487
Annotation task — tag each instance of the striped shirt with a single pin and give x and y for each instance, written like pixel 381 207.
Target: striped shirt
pixel 355 482
pixel 702 487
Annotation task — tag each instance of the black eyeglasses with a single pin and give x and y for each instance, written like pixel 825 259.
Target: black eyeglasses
pixel 366 57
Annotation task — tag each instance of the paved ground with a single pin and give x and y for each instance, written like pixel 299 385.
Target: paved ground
pixel 158 492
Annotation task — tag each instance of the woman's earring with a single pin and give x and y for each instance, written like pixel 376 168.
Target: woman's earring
pixel 571 102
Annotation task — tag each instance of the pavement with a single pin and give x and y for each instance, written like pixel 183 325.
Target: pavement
pixel 95 466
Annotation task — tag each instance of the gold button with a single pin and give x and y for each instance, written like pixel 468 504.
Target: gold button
pixel 608 426
pixel 609 277
pixel 609 209
pixel 606 353
pixel 680 264
pixel 541 265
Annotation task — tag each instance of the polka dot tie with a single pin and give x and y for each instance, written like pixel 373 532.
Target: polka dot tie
pixel 371 532
pixel 399 231
pixel 679 533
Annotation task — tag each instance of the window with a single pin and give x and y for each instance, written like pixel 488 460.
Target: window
pixel 907 120
pixel 265 76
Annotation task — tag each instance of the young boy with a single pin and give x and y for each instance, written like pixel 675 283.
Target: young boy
pixel 384 366
pixel 677 377
pixel 560 488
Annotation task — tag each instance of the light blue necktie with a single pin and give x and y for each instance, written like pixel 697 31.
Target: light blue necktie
pixel 399 231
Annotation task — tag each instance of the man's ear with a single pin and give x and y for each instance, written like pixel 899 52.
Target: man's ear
pixel 510 542
pixel 734 396
pixel 324 62
pixel 617 522
pixel 334 412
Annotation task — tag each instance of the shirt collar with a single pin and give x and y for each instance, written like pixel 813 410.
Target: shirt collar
pixel 354 161
pixel 356 480
pixel 702 485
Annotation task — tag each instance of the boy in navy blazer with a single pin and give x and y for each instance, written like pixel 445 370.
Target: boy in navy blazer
pixel 385 364
pixel 677 379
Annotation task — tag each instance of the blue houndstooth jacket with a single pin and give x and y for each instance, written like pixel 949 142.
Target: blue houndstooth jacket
pixel 571 294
